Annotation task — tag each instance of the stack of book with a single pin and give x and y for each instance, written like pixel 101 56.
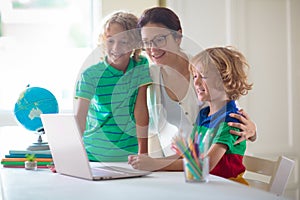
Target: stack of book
pixel 17 158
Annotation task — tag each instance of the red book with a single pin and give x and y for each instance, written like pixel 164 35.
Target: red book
pixel 22 166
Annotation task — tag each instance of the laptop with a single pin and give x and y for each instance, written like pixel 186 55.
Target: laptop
pixel 69 155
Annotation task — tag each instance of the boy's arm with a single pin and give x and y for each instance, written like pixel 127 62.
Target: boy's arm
pixel 215 153
pixel 81 110
pixel 144 162
pixel 142 119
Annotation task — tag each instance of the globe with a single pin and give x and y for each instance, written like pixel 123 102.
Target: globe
pixel 33 102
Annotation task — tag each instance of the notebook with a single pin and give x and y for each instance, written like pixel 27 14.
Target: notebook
pixel 69 155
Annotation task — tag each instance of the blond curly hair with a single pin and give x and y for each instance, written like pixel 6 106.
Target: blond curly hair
pixel 231 65
pixel 129 22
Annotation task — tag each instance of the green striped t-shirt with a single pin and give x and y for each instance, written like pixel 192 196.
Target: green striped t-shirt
pixel 110 133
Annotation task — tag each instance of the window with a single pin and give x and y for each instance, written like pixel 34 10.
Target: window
pixel 42 43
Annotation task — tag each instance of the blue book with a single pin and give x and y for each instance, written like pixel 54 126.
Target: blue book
pixel 44 152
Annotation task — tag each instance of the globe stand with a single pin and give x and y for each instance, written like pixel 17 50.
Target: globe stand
pixel 39 145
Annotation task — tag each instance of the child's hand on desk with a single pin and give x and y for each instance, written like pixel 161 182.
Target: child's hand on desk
pixel 143 162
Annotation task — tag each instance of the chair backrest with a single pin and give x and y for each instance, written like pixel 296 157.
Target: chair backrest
pixel 267 174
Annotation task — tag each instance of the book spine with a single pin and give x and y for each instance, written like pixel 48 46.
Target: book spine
pixel 47 152
pixel 22 163
pixel 22 166
pixel 24 156
pixel 24 159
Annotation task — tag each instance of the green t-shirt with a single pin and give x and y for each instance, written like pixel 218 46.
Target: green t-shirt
pixel 216 128
pixel 110 133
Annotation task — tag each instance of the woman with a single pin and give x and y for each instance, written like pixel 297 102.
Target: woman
pixel 173 102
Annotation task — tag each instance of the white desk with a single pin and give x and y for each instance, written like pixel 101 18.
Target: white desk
pixel 19 184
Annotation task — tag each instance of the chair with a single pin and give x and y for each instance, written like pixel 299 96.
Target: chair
pixel 268 175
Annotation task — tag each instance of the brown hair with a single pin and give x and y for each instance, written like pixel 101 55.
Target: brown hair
pixel 129 22
pixel 231 65
pixel 161 15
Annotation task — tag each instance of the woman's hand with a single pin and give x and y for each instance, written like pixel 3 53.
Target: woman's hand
pixel 247 127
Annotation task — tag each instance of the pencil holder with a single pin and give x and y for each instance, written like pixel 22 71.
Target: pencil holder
pixel 196 170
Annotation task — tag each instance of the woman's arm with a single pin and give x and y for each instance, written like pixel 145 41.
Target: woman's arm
pixel 81 110
pixel 247 127
pixel 142 119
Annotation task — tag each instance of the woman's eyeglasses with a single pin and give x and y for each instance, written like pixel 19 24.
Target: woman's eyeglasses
pixel 158 41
